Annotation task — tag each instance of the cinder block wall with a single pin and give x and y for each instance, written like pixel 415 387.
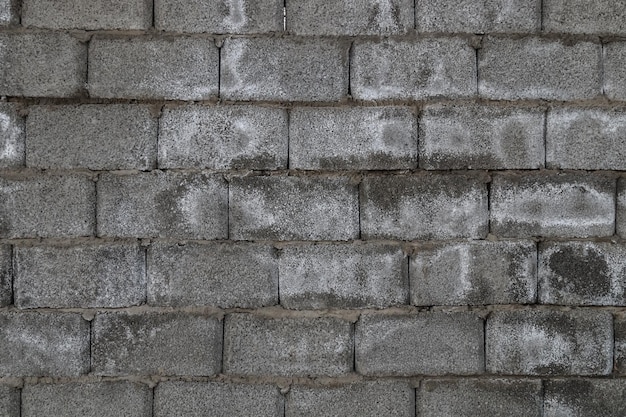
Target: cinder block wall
pixel 312 208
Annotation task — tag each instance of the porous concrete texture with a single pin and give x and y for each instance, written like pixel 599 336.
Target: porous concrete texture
pixel 6 275
pixel 415 69
pixel 407 207
pixel 287 346
pixel 552 205
pixel 481 137
pixel 419 344
pixel 156 344
pixel 9 401
pixel 620 344
pixel 584 397
pixel 12 136
pixel 549 342
pixel 601 17
pixel 102 137
pixel 615 70
pixel 338 275
pixel 382 138
pixel 9 12
pixel 621 208
pixel 223 137
pixel 476 273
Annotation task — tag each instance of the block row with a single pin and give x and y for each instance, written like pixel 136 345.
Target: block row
pixel 53 64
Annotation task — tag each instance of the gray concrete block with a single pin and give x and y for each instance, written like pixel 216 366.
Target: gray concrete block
pixel 552 205
pixel 620 344
pixel 620 219
pixel 223 137
pixel 416 69
pixel 46 205
pixel 585 397
pixel 180 68
pixel 538 68
pixel 220 275
pixel 287 346
pixel 615 70
pixel 199 399
pixel 9 401
pixel 293 208
pixel 51 64
pixel 549 342
pixel 343 276
pixel 6 275
pixel 11 136
pixel 352 138
pixel 478 136
pixel 226 16
pixel 365 399
pixel 284 69
pixel 50 344
pixel 9 12
pixel 92 136
pixel 589 139
pixel 163 204
pixel 156 343
pixel 89 15
pixel 350 17
pixel 478 16
pixel 600 17
pixel 87 399
pixel 86 275
pixel 479 398
pixel 419 344
pixel 423 207
pixel 474 273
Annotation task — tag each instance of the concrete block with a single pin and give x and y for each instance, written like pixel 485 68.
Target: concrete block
pixel 343 276
pixel 9 401
pixel 87 275
pixel 479 398
pixel 411 207
pixel 601 17
pixel 621 208
pixel 587 139
pixel 365 399
pixel 615 70
pixel 293 208
pixel 88 15
pixel 6 275
pixel 549 342
pixel 552 205
pixel 199 399
pixel 585 397
pixel 287 346
pixel 350 17
pixel 365 138
pixel 538 68
pixel 9 12
pixel 50 344
pixel 474 273
pixel 220 275
pixel 180 68
pixel 478 136
pixel 11 136
pixel 87 399
pixel 284 69
pixel 50 64
pixel 92 136
pixel 46 205
pixel 478 16
pixel 413 70
pixel 226 16
pixel 156 343
pixel 223 137
pixel 163 204
pixel 620 344
pixel 419 344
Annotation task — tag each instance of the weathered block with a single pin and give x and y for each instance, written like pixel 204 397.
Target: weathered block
pixel 420 344
pixel 163 204
pixel 223 137
pixel 620 344
pixel 601 17
pixel 342 276
pixel 423 207
pixel 621 208
pixel 549 342
pixel 92 136
pixel 585 397
pixel 481 137
pixel 353 138
pixel 615 70
pixel 284 69
pixel 552 205
pixel 10 401
pixel 153 343
pixel 419 69
pixel 9 13
pixel 476 273
pixel 180 68
pixel 255 345
pixel 6 275
pixel 293 208
pixel 538 68
pixel 11 136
